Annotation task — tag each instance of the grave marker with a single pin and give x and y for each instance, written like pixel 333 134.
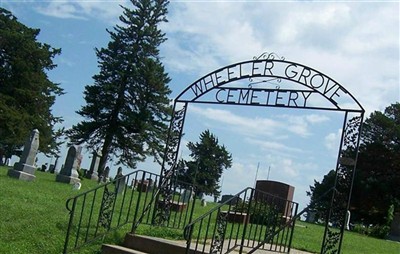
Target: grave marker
pixel 69 173
pixel 94 166
pixel 120 182
pixel 25 169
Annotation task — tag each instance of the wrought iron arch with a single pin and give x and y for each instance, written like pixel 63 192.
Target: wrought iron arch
pixel 271 81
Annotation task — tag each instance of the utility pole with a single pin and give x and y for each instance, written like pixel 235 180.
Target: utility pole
pixel 255 179
pixel 269 169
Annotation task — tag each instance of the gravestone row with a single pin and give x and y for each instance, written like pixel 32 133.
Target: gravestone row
pixel 25 168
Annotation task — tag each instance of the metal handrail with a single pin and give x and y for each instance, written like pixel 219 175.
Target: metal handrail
pixel 85 208
pixel 292 220
pixel 211 211
pixel 249 226
pixel 94 213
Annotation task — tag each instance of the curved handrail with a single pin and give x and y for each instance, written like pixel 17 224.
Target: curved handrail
pixel 214 209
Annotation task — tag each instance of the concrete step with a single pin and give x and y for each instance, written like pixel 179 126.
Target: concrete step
pixel 139 244
pixel 116 249
pixel 153 245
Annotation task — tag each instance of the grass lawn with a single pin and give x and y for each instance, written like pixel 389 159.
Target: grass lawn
pixel 308 237
pixel 34 220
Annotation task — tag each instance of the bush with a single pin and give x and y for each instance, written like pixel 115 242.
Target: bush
pixel 260 213
pixel 361 229
pixel 378 231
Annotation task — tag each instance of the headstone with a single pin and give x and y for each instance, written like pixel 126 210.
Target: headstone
pixel 105 176
pixel 44 167
pixel 69 173
pixel 394 233
pixel 52 168
pixel 94 166
pixel 120 180
pixel 25 169
pixel 186 196
pixel 311 216
pixel 203 202
pixel 283 191
pixel 235 200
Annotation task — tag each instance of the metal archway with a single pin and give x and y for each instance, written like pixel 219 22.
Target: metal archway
pixel 271 81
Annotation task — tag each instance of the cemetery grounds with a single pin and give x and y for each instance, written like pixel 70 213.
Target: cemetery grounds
pixel 34 220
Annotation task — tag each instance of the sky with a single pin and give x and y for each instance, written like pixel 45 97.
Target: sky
pixel 354 42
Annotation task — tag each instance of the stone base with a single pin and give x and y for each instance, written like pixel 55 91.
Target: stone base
pixel 67 179
pixel 21 175
pixel 18 166
pixel 94 176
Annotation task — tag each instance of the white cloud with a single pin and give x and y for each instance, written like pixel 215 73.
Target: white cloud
pixel 276 128
pixel 273 146
pixel 314 118
pixel 332 141
pixel 245 125
pixel 288 168
pixel 355 43
pixel 63 10
pixel 84 9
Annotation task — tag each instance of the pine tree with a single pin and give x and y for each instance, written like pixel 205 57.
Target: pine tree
pixel 127 107
pixel 26 93
pixel 209 159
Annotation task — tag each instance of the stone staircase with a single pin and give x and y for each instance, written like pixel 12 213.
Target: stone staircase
pixel 138 244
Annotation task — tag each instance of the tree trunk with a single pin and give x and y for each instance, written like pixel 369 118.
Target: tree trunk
pixel 104 154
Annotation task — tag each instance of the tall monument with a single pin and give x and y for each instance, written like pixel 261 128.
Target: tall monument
pixel 25 169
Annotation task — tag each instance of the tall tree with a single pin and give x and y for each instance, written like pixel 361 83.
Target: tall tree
pixel 26 93
pixel 206 168
pixel 127 106
pixel 320 194
pixel 377 177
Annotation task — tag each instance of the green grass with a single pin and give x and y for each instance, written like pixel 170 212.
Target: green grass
pixel 33 214
pixel 34 220
pixel 309 237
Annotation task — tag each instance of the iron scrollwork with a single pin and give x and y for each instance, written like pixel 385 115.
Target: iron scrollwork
pixel 218 240
pixel 163 206
pixel 344 178
pixel 268 56
pixel 106 208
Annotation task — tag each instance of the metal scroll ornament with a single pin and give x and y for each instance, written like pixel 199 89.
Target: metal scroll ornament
pixel 274 81
pixel 341 195
pixel 218 240
pixel 106 208
pixel 269 56
pixel 163 206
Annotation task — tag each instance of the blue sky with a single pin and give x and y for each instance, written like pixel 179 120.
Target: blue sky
pixel 356 43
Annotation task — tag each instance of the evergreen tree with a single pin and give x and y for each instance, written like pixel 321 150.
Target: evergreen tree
pixel 127 107
pixel 377 177
pixel 26 93
pixel 206 168
pixel 321 194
